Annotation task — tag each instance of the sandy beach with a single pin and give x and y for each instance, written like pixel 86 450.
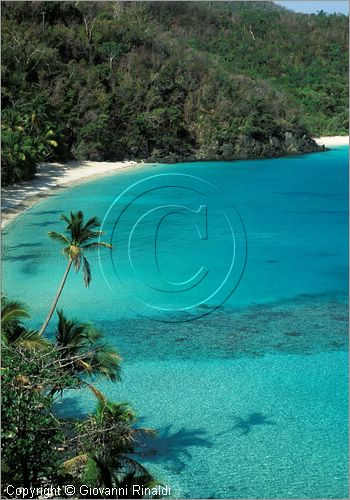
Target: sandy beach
pixel 336 140
pixel 50 177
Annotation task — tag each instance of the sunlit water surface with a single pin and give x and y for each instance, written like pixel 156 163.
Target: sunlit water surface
pixel 251 399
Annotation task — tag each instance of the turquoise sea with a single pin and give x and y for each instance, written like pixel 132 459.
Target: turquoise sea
pixel 226 293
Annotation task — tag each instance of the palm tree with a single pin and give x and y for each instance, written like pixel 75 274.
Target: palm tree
pixel 12 313
pixel 12 330
pixel 79 237
pixel 79 345
pixel 107 441
pixel 26 140
pixel 22 337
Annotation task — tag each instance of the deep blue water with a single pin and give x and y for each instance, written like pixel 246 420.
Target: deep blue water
pixel 250 398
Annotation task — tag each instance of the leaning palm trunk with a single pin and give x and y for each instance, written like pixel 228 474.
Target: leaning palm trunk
pixel 77 239
pixel 58 294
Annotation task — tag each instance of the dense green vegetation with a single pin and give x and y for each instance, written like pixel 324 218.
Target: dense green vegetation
pixel 39 447
pixel 171 80
pixel 42 449
pixel 26 140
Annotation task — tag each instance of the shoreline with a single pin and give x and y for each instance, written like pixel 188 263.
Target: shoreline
pixel 335 140
pixel 52 177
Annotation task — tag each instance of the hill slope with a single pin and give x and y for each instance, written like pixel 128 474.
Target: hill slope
pixel 171 80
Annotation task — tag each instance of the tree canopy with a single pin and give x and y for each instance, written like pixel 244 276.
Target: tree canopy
pixel 169 81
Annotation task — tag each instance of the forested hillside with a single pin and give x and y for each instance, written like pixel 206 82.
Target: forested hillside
pixel 167 81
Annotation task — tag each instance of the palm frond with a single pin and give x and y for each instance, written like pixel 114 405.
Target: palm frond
pixel 106 361
pixel 101 398
pixel 86 271
pixel 129 479
pixel 22 337
pixel 89 235
pixel 96 244
pixel 59 237
pixel 78 237
pixel 90 232
pixel 76 257
pixel 119 412
pixel 136 469
pixel 65 218
pixel 71 334
pixel 79 342
pixel 31 339
pixel 12 309
pixel 92 222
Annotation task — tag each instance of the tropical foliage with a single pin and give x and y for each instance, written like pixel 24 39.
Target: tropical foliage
pixel 13 332
pixel 106 440
pixel 26 140
pixel 82 343
pixel 169 80
pixel 31 435
pixel 40 448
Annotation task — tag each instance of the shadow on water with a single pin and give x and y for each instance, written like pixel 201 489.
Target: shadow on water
pixel 20 257
pixel 30 268
pixel 30 262
pixel 49 223
pixel 247 424
pixel 47 212
pixel 172 447
pixel 69 407
pixel 22 245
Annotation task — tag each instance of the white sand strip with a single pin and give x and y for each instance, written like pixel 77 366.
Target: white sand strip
pixel 50 177
pixel 335 140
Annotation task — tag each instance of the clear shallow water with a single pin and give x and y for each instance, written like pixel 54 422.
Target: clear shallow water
pixel 271 427
pixel 250 401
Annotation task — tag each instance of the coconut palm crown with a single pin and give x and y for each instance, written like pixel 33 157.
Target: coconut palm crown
pixel 81 342
pixel 79 237
pixel 13 332
pixel 107 442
